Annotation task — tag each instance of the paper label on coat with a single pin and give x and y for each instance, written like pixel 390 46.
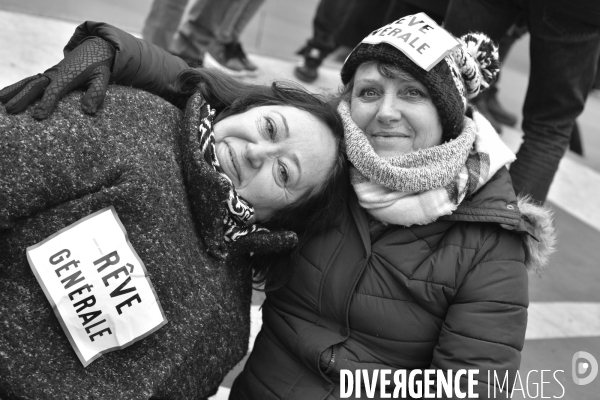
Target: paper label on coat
pixel 419 37
pixel 97 285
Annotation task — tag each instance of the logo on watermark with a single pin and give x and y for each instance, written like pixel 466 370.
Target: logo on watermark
pixel 584 364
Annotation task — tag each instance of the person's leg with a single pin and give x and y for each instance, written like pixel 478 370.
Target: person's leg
pixel 563 52
pixel 496 110
pixel 331 15
pixel 162 21
pixel 487 102
pixel 597 80
pixel 248 12
pixel 492 17
pixel 232 28
pixel 199 31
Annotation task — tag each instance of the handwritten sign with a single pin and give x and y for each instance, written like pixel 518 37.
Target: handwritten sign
pixel 419 37
pixel 97 285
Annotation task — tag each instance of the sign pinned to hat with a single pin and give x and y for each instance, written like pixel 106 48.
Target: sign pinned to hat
pixel 419 37
pixel 97 285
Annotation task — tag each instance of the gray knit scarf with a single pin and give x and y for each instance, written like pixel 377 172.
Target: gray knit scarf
pixel 419 187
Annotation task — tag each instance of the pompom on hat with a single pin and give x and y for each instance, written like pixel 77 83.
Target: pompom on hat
pixel 462 74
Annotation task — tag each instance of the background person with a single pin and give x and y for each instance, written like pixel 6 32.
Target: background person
pixel 330 17
pixel 213 27
pixel 560 32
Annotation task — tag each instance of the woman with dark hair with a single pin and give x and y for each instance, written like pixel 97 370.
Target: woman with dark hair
pixel 249 170
pixel 307 204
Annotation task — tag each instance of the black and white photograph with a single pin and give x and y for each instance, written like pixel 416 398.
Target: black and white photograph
pixel 299 199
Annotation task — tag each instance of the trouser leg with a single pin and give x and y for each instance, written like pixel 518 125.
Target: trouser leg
pixel 490 17
pixel 200 30
pixel 563 52
pixel 248 12
pixel 162 21
pixel 330 16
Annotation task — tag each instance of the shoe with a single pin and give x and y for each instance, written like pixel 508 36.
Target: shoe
pixel 307 71
pixel 220 57
pixel 236 50
pixel 499 113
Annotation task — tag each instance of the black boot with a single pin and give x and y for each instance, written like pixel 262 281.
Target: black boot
pixel 308 70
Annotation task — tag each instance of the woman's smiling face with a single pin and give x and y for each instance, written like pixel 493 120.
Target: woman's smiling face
pixel 396 114
pixel 274 155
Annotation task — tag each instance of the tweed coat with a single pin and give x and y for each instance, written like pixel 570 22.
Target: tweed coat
pixel 131 155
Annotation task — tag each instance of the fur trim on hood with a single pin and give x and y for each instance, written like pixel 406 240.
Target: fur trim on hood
pixel 541 240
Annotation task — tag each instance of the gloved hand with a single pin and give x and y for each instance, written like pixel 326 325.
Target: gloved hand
pixel 87 66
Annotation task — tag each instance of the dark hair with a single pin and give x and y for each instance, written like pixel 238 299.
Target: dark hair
pixel 319 208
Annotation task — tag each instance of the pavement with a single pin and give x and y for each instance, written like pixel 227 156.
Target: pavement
pixel 564 315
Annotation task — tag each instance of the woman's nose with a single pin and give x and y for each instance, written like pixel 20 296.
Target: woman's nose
pixel 389 109
pixel 258 153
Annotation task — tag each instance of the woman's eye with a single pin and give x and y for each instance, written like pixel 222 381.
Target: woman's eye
pixel 271 128
pixel 414 93
pixel 368 92
pixel 283 173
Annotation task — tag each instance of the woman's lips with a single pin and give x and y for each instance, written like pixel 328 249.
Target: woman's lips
pixel 390 135
pixel 234 163
pixel 229 163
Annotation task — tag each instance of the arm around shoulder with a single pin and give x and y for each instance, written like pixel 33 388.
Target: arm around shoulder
pixel 137 63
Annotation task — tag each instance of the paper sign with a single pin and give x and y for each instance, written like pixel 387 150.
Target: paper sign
pixel 419 37
pixel 97 285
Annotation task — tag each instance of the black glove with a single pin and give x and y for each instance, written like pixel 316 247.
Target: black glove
pixel 88 66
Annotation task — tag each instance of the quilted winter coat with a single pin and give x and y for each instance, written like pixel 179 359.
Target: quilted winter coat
pixel 448 295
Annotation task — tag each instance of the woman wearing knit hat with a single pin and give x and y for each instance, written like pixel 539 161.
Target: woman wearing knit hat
pixel 428 269
pixel 237 175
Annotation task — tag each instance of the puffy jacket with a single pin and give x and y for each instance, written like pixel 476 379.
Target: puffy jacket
pixel 449 295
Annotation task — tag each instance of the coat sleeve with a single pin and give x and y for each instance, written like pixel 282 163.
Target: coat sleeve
pixel 485 325
pixel 138 63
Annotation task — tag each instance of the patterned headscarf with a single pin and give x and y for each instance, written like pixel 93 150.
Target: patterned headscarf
pixel 239 210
